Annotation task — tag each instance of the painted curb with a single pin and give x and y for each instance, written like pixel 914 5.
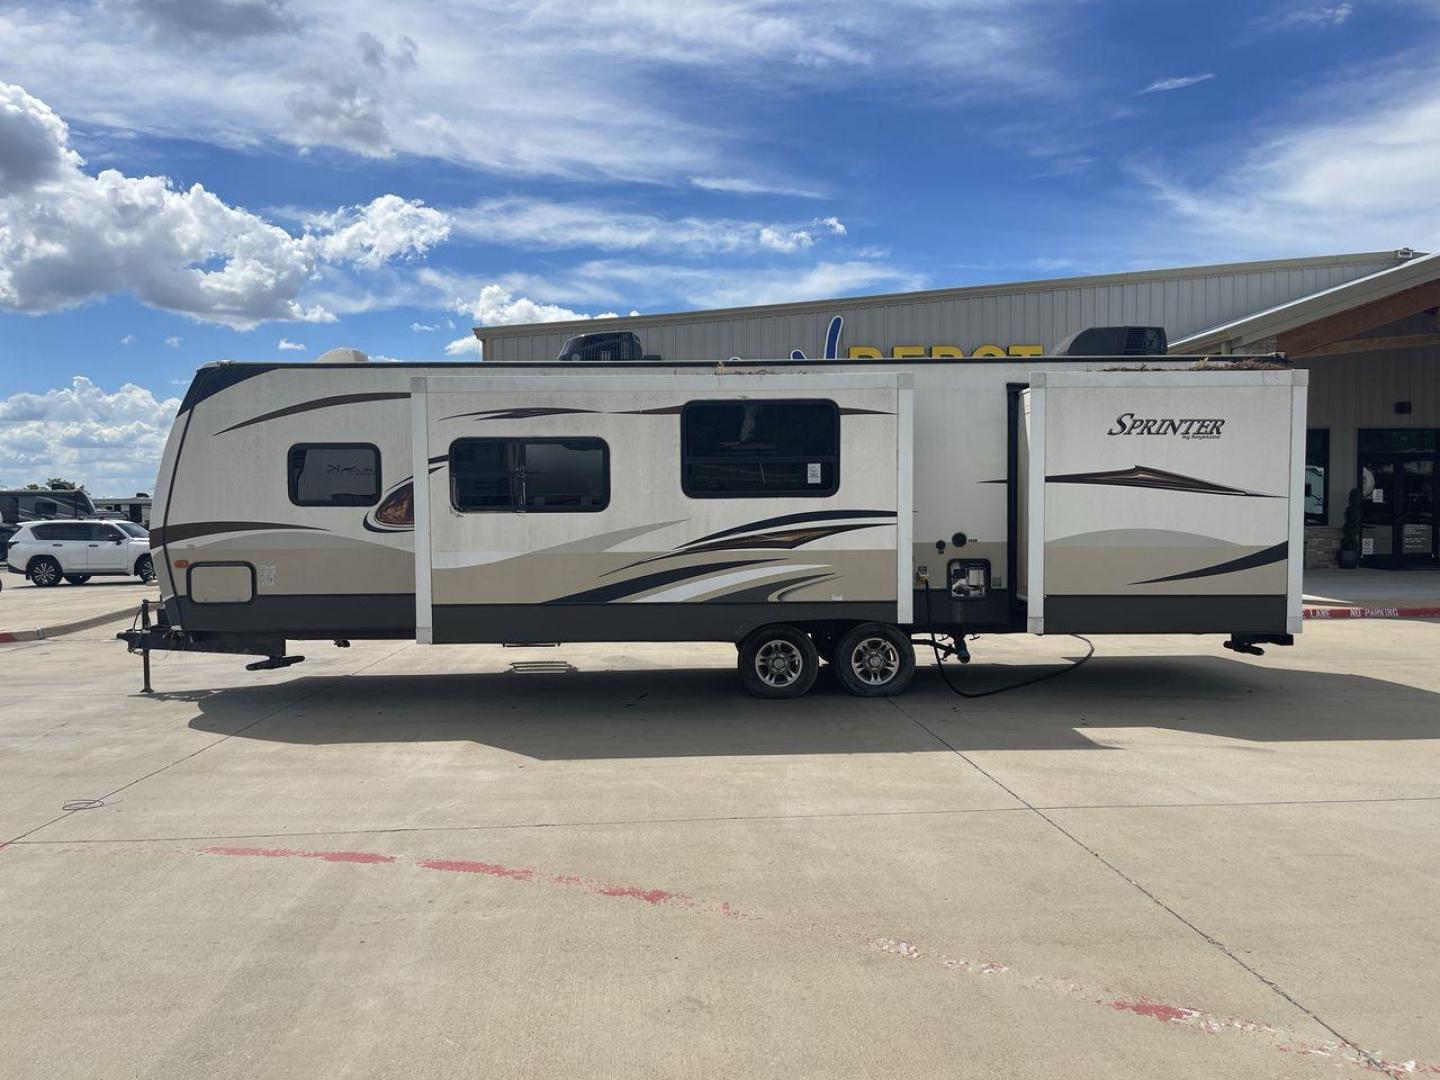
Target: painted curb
pixel 1372 613
pixel 40 633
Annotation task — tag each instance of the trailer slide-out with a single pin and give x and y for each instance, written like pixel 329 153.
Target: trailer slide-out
pixel 800 509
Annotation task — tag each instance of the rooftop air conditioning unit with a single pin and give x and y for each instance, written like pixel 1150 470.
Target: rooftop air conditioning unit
pixel 1116 341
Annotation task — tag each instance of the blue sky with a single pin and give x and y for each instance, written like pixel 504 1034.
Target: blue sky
pixel 189 180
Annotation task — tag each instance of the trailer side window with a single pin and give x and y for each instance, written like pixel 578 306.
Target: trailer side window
pixel 759 448
pixel 334 474
pixel 534 475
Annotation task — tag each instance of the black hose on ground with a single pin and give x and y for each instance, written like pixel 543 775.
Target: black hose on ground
pixel 944 674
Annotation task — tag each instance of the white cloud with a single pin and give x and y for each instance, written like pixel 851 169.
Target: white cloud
pixel 469 345
pixel 107 441
pixel 1179 82
pixel 67 236
pixel 128 339
pixel 384 229
pixel 544 223
pixel 1299 189
pixel 286 345
pixel 495 306
pixel 1316 17
pixel 423 328
pixel 834 224
pixel 378 78
pixel 173 342
pixel 739 185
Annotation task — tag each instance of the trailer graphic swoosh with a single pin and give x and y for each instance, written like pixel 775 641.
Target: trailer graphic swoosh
pixel 1245 562
pixel 1142 476
pixel 310 406
pixel 619 590
pixel 530 413
pixel 794 519
pixel 190 530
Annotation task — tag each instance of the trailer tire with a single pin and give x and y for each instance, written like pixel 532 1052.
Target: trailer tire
pixel 44 572
pixel 778 662
pixel 77 579
pixel 874 660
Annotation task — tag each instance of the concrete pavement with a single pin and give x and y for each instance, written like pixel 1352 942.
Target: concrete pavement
pixel 395 860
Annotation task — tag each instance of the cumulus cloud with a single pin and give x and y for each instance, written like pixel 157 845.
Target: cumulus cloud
pixel 387 228
pixel 545 223
pixel 128 339
pixel 67 236
pixel 1178 82
pixel 286 345
pixel 466 346
pixel 834 224
pixel 105 440
pixel 495 306
pixel 173 342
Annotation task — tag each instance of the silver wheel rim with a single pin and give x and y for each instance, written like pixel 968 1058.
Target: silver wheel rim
pixel 875 661
pixel 44 574
pixel 778 663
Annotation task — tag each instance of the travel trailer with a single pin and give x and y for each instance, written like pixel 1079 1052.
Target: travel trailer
pixel 800 509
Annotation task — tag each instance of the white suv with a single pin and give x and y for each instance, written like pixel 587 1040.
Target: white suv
pixel 46 551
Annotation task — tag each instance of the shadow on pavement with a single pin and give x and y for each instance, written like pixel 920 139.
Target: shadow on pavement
pixel 703 712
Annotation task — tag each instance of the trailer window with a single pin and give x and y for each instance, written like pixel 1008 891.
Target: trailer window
pixel 534 475
pixel 334 474
pixel 760 449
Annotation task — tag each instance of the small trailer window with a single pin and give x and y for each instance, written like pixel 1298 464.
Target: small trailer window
pixel 535 475
pixel 760 448
pixel 334 474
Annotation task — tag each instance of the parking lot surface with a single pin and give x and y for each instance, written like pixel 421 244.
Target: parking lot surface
pixel 23 605
pixel 396 860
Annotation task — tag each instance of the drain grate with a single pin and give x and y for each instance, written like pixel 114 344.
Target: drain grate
pixel 540 667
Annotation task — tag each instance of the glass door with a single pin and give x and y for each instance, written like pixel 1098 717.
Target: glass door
pixel 1401 503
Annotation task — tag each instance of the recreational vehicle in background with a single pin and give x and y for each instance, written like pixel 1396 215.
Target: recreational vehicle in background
pixel 798 509
pixel 20 505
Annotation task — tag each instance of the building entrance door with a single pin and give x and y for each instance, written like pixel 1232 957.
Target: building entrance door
pixel 1401 500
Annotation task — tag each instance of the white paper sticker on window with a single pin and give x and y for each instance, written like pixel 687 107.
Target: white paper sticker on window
pixel 1378 495
pixel 812 473
pixel 1367 546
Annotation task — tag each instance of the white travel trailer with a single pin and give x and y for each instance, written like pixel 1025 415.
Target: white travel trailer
pixel 800 509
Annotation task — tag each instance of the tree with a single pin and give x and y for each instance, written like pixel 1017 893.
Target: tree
pixel 58 483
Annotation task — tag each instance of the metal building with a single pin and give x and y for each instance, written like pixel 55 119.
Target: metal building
pixel 1365 325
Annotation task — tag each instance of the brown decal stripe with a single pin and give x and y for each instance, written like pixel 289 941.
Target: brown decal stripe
pixel 662 410
pixel 192 529
pixel 1142 476
pixel 865 412
pixel 795 519
pixel 318 403
pixel 515 414
pixel 621 589
pixel 787 540
pixel 1246 562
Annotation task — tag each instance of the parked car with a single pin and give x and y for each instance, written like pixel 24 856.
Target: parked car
pixel 48 551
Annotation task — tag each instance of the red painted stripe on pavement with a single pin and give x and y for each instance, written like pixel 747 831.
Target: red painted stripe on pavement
pixel 1372 613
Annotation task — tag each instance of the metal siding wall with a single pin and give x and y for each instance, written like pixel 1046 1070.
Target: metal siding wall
pixel 1183 305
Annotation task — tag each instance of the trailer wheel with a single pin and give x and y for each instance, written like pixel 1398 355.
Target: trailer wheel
pixel 778 662
pixel 874 660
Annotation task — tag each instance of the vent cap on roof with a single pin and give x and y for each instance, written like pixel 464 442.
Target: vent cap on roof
pixel 1115 341
pixel 342 356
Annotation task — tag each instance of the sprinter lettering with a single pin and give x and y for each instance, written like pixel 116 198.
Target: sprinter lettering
pixel 1185 427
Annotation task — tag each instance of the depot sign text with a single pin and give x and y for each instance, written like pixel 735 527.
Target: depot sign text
pixel 944 352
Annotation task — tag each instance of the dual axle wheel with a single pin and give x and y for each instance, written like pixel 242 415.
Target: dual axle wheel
pixel 870 660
